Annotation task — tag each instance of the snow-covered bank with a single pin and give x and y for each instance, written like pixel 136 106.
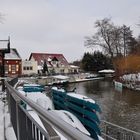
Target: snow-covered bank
pixel 1 120
pixel 131 81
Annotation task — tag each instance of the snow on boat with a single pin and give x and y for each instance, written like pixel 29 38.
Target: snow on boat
pixel 45 102
pixel 36 96
pixel 81 106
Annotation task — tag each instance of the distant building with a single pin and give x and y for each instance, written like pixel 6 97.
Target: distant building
pixel 29 67
pixel 74 69
pixel 12 63
pixel 56 63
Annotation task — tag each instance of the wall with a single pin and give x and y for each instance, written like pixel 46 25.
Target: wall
pixel 29 67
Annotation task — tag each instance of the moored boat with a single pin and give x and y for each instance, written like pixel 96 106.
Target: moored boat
pixel 81 106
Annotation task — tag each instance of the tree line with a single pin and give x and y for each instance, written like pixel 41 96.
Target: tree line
pixel 114 40
pixel 93 62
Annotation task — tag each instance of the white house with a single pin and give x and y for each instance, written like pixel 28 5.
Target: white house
pixel 29 67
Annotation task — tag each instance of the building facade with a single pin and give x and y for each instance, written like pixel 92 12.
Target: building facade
pixel 29 67
pixel 56 63
pixel 12 63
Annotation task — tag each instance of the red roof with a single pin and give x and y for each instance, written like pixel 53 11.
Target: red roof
pixel 39 57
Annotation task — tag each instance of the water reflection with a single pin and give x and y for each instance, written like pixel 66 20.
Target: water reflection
pixel 122 108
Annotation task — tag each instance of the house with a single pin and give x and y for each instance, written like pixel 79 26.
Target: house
pixel 74 69
pixel 56 63
pixel 12 62
pixel 29 67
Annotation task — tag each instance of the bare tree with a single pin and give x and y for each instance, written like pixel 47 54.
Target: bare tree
pixel 113 39
pixel 126 39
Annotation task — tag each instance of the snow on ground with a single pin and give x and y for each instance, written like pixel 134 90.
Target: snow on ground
pixel 9 131
pixel 131 81
pixel 5 124
pixel 1 120
pixel 131 77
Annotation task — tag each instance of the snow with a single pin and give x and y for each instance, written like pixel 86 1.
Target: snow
pixel 46 103
pixel 5 123
pixel 39 67
pixel 37 119
pixel 61 77
pixel 131 81
pixel 73 66
pixel 40 98
pixel 31 85
pixel 55 88
pixel 71 119
pixel 85 98
pixel 10 134
pixel 1 120
pixel 106 71
pixel 131 77
pixel 35 116
pixel 12 55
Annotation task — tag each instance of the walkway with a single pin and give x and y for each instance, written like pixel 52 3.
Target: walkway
pixel 6 129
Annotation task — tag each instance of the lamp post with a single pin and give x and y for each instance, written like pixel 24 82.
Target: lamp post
pixel 3 51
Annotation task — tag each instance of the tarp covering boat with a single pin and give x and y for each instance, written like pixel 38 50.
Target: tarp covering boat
pixel 81 106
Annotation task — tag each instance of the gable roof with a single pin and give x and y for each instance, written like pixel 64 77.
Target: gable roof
pixel 39 57
pixel 13 55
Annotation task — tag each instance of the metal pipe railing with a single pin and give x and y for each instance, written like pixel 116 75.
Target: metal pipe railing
pixel 120 127
pixel 50 117
pixel 115 132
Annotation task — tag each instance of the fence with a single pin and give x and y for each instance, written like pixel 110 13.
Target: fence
pixel 26 128
pixel 114 132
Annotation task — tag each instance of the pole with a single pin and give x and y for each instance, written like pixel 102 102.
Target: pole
pixel 3 72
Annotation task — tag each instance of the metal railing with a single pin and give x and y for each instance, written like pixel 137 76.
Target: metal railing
pixel 26 128
pixel 112 131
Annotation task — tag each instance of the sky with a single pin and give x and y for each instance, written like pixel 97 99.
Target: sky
pixel 60 26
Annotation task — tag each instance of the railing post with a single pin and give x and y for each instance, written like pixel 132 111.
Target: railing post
pixel 17 116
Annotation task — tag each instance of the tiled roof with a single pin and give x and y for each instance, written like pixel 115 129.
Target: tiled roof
pixel 40 57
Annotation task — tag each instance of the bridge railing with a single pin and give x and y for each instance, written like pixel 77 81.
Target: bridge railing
pixel 26 128
pixel 112 131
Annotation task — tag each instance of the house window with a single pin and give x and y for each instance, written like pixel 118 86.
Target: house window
pixel 17 67
pixel 9 67
pixel 31 68
pixel 62 70
pixel 13 68
pixel 24 68
pixel 6 69
pixel 27 68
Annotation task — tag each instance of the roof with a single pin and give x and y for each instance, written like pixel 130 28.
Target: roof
pixel 40 57
pixel 13 55
pixel 74 67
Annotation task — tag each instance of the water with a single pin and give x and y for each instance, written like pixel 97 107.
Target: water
pixel 119 107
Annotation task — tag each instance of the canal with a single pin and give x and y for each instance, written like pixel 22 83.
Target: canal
pixel 119 107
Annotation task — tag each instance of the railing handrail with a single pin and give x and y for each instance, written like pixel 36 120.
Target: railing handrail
pixel 115 125
pixel 63 127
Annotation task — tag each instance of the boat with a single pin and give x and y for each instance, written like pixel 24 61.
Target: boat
pixel 33 88
pixel 46 103
pixel 84 108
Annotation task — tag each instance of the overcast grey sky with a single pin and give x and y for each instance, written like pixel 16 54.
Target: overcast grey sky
pixel 59 26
